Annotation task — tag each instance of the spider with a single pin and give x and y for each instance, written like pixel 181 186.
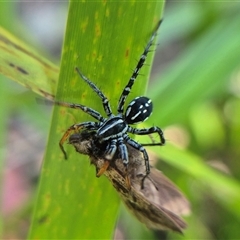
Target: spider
pixel 113 130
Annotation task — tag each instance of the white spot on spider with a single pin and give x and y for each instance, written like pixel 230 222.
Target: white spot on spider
pixel 127 89
pixel 135 116
pixel 132 103
pixel 128 110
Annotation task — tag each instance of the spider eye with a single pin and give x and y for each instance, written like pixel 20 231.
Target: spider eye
pixel 138 110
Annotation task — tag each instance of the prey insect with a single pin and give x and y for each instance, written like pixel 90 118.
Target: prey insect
pixel 114 129
pixel 158 205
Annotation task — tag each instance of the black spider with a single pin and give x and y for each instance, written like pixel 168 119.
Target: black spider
pixel 115 128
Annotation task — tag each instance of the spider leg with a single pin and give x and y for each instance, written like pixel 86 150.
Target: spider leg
pixel 124 156
pixel 140 63
pixel 149 131
pixel 105 101
pixel 151 144
pixel 139 147
pixel 76 127
pixel 109 154
pixel 95 114
pixel 111 150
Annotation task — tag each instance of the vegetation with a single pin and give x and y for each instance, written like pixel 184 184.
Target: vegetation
pixel 195 91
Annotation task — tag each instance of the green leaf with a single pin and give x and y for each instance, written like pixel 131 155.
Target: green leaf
pixel 25 66
pixel 201 71
pixel 103 39
pixel 225 188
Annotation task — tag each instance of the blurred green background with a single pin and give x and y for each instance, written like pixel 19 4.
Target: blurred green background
pixel 195 87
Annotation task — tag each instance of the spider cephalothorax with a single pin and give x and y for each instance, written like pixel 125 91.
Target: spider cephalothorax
pixel 114 129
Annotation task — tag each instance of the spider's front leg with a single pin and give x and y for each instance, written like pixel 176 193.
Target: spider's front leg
pixel 75 128
pixel 135 74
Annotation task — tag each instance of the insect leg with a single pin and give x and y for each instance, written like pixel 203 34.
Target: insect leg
pixel 111 150
pixel 103 168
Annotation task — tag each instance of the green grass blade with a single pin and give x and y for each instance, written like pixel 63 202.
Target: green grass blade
pixel 4 111
pixel 103 39
pixel 201 71
pixel 224 188
pixel 25 66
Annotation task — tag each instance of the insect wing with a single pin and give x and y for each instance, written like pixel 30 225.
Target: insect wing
pixel 151 215
pixel 164 194
pixel 158 205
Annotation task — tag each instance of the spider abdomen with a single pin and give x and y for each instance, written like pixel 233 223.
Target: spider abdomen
pixel 138 110
pixel 112 128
